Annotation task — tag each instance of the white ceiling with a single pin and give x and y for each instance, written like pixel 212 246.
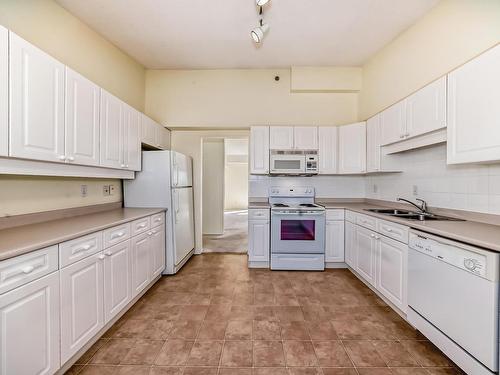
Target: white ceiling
pixel 205 34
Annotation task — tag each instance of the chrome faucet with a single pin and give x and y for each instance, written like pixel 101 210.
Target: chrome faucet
pixel 422 207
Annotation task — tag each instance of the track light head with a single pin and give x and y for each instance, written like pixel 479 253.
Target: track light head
pixel 259 32
pixel 261 3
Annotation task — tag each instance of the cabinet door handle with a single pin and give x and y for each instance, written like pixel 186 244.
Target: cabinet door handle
pixel 101 257
pixel 62 157
pixel 372 235
pixel 150 233
pixel 70 158
pixel 108 253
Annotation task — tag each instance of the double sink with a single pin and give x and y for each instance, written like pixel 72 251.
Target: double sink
pixel 410 215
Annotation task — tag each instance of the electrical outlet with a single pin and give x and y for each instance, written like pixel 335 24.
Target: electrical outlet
pixel 415 190
pixel 105 190
pixel 83 190
pixel 112 189
pixel 375 188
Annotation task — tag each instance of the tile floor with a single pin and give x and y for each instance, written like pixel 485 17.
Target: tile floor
pixel 217 317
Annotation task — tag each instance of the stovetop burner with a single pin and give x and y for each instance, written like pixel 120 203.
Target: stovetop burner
pixel 280 205
pixel 308 205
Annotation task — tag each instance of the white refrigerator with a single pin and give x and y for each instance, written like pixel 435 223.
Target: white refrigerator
pixel 166 181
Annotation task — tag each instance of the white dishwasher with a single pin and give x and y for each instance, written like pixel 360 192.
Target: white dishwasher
pixel 453 299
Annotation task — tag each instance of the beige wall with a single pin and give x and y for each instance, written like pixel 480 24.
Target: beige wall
pixel 452 33
pixel 236 191
pixel 240 98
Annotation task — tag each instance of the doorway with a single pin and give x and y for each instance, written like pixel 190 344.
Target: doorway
pixel 225 195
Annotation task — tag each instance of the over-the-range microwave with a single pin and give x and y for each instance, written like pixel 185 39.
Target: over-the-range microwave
pixel 293 162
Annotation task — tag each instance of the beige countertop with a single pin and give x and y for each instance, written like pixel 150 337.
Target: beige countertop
pixel 23 239
pixel 471 232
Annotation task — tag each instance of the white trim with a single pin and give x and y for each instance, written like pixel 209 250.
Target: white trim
pixel 336 265
pixel 437 136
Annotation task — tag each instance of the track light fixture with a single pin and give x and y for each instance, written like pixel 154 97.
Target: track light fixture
pixel 259 32
pixel 261 3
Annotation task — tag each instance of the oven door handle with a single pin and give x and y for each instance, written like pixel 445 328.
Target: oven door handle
pixel 320 213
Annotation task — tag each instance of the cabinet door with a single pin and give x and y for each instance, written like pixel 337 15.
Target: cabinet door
pixel 258 240
pixel 334 243
pixel 82 120
pixel 82 314
pixel 350 244
pixel 281 138
pixel 157 251
pixel 373 144
pixel 305 137
pixel 165 139
pixel 352 148
pixel 111 133
pixel 366 251
pixel 131 138
pixel 391 271
pixel 37 103
pixel 148 131
pixel 393 123
pixel 4 91
pixel 426 109
pixel 140 262
pixel 117 279
pixel 473 110
pixel 259 149
pixel 328 149
pixel 29 338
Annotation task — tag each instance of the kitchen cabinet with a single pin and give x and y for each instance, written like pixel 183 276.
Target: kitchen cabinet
pixel 373 144
pixel 334 241
pixel 259 150
pixel 392 270
pixel 164 138
pixel 393 123
pixel 111 131
pixel 29 338
pixel 4 91
pixel 140 248
pixel 148 131
pixel 258 237
pixel 305 137
pixel 350 244
pixel 131 138
pixel 281 138
pixel 82 314
pixel 82 120
pixel 117 279
pixel 157 252
pixel 328 149
pixel 36 128
pixel 352 148
pixel 366 245
pixel 473 110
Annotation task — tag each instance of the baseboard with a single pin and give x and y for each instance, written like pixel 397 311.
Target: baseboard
pixel 254 264
pixel 336 265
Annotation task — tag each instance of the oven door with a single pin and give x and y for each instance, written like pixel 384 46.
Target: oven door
pixel 298 233
pixel 288 164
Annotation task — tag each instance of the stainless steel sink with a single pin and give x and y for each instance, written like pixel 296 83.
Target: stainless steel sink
pixel 389 211
pixel 410 215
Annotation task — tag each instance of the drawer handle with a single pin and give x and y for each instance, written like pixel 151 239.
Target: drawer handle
pixel 153 232
pixel 28 269
pixel 150 233
pixel 158 219
pixel 83 248
pixel 142 226
pixel 388 229
pixel 101 257
pixel 117 235
pixel 108 253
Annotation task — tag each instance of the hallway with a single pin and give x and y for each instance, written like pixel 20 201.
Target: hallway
pixel 235 237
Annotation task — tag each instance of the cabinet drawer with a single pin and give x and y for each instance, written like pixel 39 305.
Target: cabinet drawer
pixel 79 248
pixel 366 221
pixel 20 270
pixel 394 231
pixel 140 225
pixel 157 219
pixel 116 234
pixel 350 216
pixel 258 214
pixel 335 214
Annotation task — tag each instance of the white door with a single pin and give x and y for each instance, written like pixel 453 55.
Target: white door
pixel 373 144
pixel 37 103
pixel 131 138
pixel 157 251
pixel 148 130
pixel 140 262
pixel 82 314
pixel 350 244
pixel 305 137
pixel 334 241
pixel 117 279
pixel 183 222
pixel 391 271
pixel 29 338
pixel 258 241
pixel 4 91
pixel 82 120
pixel 426 109
pixel 473 110
pixel 259 150
pixel 352 148
pixel 366 248
pixel 111 131
pixel 328 149
pixel 281 138
pixel 393 123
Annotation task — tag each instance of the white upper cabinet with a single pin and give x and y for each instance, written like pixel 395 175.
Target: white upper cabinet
pixel 259 149
pixel 82 120
pixel 352 148
pixel 474 110
pixel 4 91
pixel 281 138
pixel 393 123
pixel 111 133
pixel 164 135
pixel 37 103
pixel 131 138
pixel 373 144
pixel 328 149
pixel 305 137
pixel 148 131
pixel 426 109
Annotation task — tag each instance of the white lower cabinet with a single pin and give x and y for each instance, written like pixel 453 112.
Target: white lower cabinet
pixel 258 240
pixel 157 252
pixel 350 244
pixel 30 333
pixel 140 262
pixel 117 279
pixel 82 314
pixel 334 241
pixel 366 246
